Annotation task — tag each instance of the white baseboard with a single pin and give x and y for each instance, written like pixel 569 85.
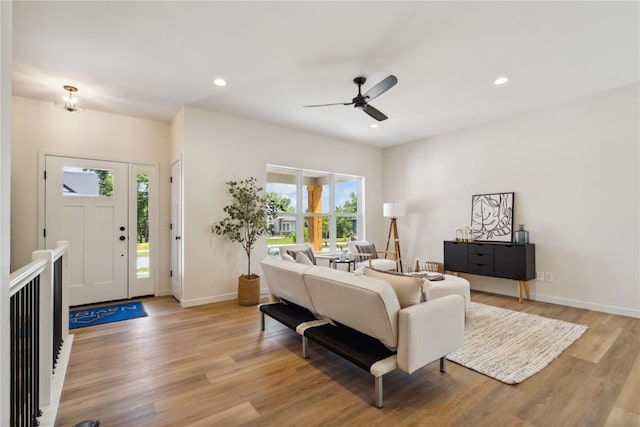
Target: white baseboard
pixel 621 311
pixel 49 412
pixel 218 298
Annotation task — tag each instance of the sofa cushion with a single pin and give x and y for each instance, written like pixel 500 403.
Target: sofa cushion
pixel 365 304
pixel 285 280
pixel 308 252
pixel 407 288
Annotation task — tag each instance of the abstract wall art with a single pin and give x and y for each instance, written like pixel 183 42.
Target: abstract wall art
pixel 492 217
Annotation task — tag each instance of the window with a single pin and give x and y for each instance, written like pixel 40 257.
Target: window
pixel 87 182
pixel 142 226
pixel 319 208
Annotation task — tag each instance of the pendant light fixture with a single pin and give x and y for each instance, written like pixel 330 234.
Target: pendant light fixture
pixel 69 101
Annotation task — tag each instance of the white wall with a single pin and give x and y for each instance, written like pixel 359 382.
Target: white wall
pixel 6 15
pixel 574 170
pixel 177 136
pixel 39 125
pixel 218 148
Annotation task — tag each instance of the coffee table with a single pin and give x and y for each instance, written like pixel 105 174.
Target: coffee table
pixel 349 262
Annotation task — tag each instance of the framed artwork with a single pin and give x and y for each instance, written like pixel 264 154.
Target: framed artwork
pixel 492 217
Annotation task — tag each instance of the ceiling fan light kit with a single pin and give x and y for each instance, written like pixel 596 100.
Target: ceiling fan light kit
pixel 361 101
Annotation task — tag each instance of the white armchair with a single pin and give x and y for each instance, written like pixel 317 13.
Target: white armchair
pixel 372 259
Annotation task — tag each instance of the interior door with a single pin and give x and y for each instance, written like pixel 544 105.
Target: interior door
pixel 86 204
pixel 176 230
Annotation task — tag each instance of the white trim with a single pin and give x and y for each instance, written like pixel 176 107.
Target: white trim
pixel 568 302
pixel 208 300
pixel 218 298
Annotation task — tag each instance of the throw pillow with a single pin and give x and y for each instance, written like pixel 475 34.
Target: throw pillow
pixel 301 258
pixel 366 249
pixel 409 290
pixel 308 252
pixel 288 257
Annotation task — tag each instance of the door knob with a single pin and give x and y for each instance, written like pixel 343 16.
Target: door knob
pixel 122 238
pixel 122 228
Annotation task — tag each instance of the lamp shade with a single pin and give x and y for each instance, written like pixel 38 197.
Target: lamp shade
pixel 393 210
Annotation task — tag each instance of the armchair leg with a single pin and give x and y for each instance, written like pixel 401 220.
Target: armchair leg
pixel 378 391
pixel 443 364
pixel 262 321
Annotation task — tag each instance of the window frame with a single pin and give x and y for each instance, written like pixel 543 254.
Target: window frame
pixel 302 215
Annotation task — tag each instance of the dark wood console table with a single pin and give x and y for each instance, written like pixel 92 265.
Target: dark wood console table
pixel 505 260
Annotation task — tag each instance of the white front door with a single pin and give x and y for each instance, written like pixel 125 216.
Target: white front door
pixel 86 203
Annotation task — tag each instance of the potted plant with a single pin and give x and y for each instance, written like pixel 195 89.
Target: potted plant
pixel 248 218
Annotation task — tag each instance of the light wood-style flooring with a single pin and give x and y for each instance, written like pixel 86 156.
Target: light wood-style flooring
pixel 213 366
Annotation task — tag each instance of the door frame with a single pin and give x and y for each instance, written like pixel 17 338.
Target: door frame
pixel 154 208
pixel 176 283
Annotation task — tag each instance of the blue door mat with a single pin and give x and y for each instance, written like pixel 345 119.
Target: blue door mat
pixel 105 314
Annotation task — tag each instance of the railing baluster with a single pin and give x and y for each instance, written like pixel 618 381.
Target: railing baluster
pixel 57 310
pixel 25 350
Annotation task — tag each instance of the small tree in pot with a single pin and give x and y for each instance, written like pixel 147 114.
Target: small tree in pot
pixel 248 218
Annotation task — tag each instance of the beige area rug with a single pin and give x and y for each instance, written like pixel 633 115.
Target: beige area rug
pixel 511 346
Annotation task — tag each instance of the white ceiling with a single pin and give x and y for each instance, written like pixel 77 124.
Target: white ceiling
pixel 146 59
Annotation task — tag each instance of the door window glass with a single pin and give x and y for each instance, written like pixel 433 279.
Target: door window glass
pixel 142 226
pixel 87 182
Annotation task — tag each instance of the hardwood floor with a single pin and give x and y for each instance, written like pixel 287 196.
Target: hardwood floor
pixel 212 366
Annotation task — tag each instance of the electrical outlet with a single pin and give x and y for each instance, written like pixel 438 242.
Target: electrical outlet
pixel 548 276
pixel 540 275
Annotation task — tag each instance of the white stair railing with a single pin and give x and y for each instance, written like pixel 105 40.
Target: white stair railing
pixel 39 325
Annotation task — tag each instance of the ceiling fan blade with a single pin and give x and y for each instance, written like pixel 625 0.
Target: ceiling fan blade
pixel 381 87
pixel 374 112
pixel 327 105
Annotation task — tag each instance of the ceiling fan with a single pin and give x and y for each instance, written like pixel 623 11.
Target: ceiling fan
pixel 361 101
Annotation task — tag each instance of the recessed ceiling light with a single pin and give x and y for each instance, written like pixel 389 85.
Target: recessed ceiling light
pixel 219 82
pixel 500 80
pixel 375 125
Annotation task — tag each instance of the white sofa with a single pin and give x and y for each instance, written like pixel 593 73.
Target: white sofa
pixel 361 319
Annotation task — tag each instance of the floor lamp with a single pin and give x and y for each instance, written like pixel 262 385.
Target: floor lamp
pixel 393 211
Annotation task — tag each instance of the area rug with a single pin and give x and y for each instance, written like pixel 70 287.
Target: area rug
pixel 511 346
pixel 105 314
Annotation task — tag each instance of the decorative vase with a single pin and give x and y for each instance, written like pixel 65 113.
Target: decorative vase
pixel 522 235
pixel 248 290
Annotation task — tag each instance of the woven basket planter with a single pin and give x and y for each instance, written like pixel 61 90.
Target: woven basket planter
pixel 248 290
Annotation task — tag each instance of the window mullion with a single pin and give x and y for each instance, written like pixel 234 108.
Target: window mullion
pixel 299 208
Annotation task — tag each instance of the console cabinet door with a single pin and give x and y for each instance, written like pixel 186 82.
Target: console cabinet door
pixel 514 262
pixel 455 256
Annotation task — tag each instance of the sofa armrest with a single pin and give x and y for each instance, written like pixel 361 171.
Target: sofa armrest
pixel 429 331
